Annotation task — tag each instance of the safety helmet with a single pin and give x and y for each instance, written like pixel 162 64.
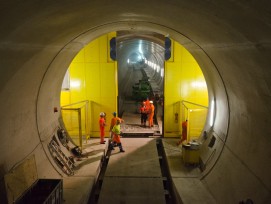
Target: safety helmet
pixel 102 114
pixel 151 101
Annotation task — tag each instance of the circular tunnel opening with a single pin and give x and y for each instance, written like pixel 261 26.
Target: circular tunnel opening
pixel 140 72
pixel 87 41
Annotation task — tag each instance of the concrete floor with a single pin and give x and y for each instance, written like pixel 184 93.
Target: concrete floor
pixel 135 176
pixel 78 187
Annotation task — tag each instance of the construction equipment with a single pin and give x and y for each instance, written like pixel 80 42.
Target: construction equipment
pixel 65 163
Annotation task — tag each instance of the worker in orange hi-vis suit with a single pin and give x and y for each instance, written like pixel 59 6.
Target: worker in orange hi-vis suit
pixel 102 126
pixel 184 132
pixel 151 114
pixel 147 104
pixel 143 113
pixel 113 123
pixel 116 138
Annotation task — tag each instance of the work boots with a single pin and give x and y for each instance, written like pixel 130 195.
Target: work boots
pixel 111 146
pixel 121 149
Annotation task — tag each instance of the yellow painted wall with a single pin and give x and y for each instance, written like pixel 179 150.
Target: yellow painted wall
pixel 93 77
pixel 184 80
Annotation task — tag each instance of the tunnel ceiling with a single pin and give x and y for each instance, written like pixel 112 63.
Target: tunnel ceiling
pixel 149 36
pixel 137 46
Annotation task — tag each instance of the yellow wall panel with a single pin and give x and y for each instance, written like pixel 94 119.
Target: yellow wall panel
pixel 93 78
pixel 80 57
pixel 93 75
pixel 109 80
pixel 184 80
pixel 186 56
pixel 103 45
pixel 90 56
pixel 65 97
pixel 177 49
pixel 77 82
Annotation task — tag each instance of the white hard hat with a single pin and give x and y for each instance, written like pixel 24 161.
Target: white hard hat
pixel 102 114
pixel 151 101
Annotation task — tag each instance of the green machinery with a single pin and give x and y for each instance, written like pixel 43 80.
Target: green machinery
pixel 141 90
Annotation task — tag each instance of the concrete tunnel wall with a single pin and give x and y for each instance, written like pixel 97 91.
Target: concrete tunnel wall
pixel 229 39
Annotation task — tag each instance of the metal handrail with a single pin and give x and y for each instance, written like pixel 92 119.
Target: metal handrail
pixel 78 109
pixel 87 101
pixel 183 101
pixel 184 113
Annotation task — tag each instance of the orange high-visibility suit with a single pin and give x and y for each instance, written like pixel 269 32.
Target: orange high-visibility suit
pixel 114 122
pixel 184 132
pixel 144 114
pixel 147 104
pixel 151 114
pixel 102 125
pixel 116 139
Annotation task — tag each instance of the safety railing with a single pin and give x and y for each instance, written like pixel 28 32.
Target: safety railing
pixel 76 117
pixel 195 114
